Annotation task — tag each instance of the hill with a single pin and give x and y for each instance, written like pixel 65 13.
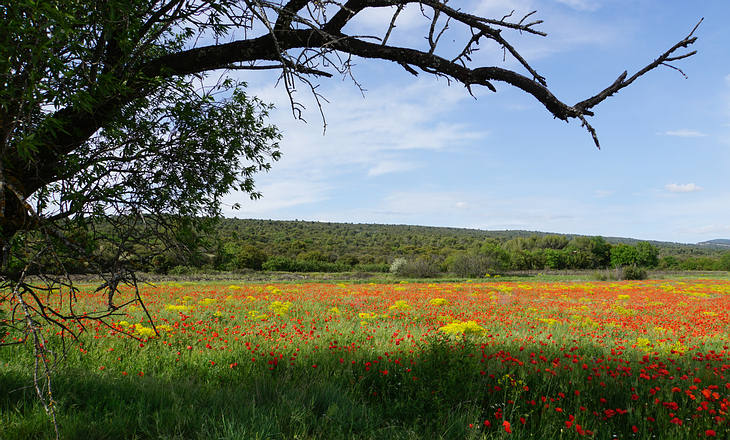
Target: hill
pixel 307 246
pixel 722 242
pixel 381 242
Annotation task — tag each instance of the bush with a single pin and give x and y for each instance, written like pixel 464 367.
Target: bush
pixel 633 273
pixel 372 267
pixel 250 257
pixel 419 268
pixel 396 265
pixel 468 265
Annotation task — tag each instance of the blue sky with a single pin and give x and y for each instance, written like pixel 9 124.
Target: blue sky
pixel 417 151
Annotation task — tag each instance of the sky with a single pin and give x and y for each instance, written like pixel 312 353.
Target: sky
pixel 418 151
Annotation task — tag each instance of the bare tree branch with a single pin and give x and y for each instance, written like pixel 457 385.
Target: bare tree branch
pixel 621 82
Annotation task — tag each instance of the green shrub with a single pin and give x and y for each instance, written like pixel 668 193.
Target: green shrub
pixel 418 268
pixel 468 265
pixel 633 273
pixel 372 267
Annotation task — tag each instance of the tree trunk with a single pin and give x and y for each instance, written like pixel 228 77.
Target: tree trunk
pixel 13 219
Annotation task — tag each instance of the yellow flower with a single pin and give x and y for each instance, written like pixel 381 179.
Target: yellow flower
pixel 463 327
pixel 280 308
pixel 144 331
pixel 177 308
pixel 400 305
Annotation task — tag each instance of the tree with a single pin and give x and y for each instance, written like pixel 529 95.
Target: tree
pixel 554 259
pixel 724 263
pixel 553 241
pixel 648 255
pixel 250 257
pixel 589 252
pixel 624 255
pixel 601 251
pixel 111 121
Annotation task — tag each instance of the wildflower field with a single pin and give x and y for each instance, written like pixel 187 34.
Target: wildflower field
pixel 603 360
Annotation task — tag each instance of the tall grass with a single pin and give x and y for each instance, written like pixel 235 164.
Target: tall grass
pixel 325 374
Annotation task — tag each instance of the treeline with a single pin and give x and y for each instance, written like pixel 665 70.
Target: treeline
pixel 298 246
pixel 419 251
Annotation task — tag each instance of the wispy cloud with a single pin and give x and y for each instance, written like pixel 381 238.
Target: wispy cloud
pixel 381 133
pixel 682 188
pixel 685 133
pixel 567 29
pixel 391 166
pixel 581 5
pixel 278 195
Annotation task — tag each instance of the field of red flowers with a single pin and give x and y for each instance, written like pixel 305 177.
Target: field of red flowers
pixel 648 359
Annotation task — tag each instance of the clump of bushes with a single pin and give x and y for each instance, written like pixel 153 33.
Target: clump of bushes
pixel 416 268
pixel 633 273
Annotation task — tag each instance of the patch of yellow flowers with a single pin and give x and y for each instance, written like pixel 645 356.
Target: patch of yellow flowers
pixel 400 305
pixel 280 308
pixel 177 307
pixel 463 328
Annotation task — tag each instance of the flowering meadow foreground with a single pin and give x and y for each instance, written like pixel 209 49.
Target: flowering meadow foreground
pixel 627 360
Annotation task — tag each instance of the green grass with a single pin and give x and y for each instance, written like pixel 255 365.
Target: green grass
pixel 343 394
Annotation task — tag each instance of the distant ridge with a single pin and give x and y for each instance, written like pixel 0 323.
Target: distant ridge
pixel 357 238
pixel 716 242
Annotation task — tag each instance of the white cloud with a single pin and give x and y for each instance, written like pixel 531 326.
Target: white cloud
pixel 278 195
pixel 566 29
pixel 391 166
pixel 473 210
pixel 385 132
pixel 601 193
pixel 682 188
pixel 686 133
pixel 375 21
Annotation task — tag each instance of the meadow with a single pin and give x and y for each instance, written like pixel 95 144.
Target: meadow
pixel 475 360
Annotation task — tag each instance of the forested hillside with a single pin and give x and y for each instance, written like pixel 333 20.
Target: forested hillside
pixel 304 246
pixel 427 251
